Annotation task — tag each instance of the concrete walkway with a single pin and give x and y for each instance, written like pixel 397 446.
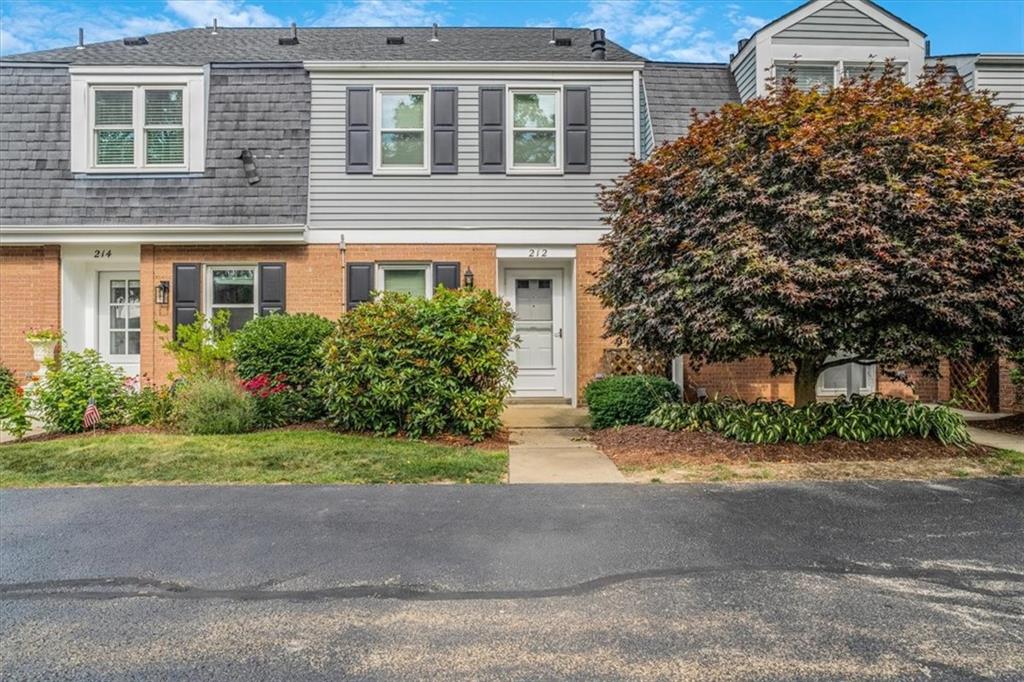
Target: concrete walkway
pixel 995 439
pixel 561 455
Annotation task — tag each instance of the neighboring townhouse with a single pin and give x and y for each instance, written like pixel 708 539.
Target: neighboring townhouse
pixel 259 170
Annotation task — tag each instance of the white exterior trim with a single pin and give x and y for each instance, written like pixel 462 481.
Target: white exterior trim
pixel 636 114
pixel 446 68
pixel 152 234
pixel 191 79
pixel 538 237
pixel 428 121
pixel 510 167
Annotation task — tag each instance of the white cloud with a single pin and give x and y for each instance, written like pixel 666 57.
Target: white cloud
pixel 226 12
pixel 384 13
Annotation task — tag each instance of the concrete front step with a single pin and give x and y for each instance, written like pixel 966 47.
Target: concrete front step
pixel 544 416
pixel 557 456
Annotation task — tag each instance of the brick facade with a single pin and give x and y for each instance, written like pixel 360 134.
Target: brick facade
pixel 29 299
pixel 590 317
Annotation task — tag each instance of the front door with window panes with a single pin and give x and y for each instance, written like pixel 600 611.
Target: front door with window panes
pixel 120 322
pixel 537 301
pixel 232 289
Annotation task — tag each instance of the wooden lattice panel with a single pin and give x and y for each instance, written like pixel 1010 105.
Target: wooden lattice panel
pixel 969 385
pixel 620 361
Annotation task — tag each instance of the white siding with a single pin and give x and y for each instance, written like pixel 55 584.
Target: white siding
pixel 468 199
pixel 746 76
pixel 839 24
pixel 1006 81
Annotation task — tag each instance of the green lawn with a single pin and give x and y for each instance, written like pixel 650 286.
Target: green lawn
pixel 285 456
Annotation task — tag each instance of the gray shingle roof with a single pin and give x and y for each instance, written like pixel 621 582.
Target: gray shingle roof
pixel 674 90
pixel 200 46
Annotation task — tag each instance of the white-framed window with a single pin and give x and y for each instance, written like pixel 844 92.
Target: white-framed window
pixel 855 70
pixel 138 127
pixel 835 381
pixel 233 288
pixel 534 130
pixel 138 119
pixel 415 279
pixel 807 75
pixel 401 130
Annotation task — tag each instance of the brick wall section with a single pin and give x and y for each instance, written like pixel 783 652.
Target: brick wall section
pixel 590 318
pixel 265 110
pixel 29 299
pixel 1011 398
pixel 313 285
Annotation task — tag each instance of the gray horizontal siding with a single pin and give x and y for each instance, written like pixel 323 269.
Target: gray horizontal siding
pixel 467 199
pixel 746 76
pixel 263 110
pixel 839 24
pixel 1006 81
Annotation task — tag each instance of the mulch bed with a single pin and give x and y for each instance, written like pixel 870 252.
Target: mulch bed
pixel 646 447
pixel 1013 424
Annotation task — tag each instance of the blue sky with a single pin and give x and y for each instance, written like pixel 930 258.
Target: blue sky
pixel 684 30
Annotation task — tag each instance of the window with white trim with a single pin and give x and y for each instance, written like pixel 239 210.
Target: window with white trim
pixel 807 76
pixel 138 127
pixel 408 278
pixel 402 140
pixel 232 288
pixel 854 70
pixel 534 137
pixel 836 381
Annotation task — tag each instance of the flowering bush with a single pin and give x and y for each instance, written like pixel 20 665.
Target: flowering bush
pixel 13 405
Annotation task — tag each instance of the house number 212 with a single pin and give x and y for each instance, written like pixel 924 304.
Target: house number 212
pixel 538 253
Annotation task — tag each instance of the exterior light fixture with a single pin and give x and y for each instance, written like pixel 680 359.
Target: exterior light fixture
pixel 467 278
pixel 163 291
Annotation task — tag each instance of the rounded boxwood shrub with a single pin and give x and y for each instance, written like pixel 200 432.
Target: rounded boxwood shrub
pixel 71 381
pixel 278 358
pixel 422 367
pixel 212 405
pixel 622 400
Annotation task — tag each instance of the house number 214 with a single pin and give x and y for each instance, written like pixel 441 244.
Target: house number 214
pixel 538 253
pixel 101 253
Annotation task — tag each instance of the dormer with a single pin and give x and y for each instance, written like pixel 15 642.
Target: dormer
pixel 822 41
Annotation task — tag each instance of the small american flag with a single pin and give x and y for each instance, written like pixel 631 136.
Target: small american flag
pixel 92 415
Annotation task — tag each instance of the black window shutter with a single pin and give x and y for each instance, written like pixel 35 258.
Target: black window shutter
pixel 577 129
pixel 446 274
pixel 359 130
pixel 358 283
pixel 272 288
pixel 187 286
pixel 444 130
pixel 492 130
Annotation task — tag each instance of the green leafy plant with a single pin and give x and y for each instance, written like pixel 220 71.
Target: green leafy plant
pixel 151 406
pixel 71 382
pixel 285 351
pixel 879 221
pixel 621 400
pixel 861 418
pixel 44 335
pixel 13 405
pixel 203 348
pixel 422 367
pixel 213 405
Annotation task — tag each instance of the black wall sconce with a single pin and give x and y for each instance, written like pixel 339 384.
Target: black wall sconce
pixel 163 291
pixel 467 278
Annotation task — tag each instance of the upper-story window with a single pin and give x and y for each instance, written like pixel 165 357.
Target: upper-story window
pixel 138 127
pixel 807 76
pixel 855 70
pixel 137 119
pixel 402 140
pixel 534 138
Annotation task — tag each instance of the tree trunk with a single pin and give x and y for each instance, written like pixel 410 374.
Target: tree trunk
pixel 805 383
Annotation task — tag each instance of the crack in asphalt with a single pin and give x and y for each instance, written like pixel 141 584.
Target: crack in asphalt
pixel 134 587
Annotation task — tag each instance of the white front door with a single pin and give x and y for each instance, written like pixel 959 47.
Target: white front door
pixel 119 322
pixel 537 298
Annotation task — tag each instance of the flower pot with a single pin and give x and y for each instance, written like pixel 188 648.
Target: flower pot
pixel 42 350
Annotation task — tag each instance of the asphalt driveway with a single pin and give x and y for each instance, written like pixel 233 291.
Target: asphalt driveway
pixel 863 580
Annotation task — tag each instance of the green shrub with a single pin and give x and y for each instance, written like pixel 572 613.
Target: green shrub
pixel 13 405
pixel 621 400
pixel 859 418
pixel 203 348
pixel 423 367
pixel 151 406
pixel 71 381
pixel 278 358
pixel 212 405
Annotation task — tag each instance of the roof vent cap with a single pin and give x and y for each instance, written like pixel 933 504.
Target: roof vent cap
pixel 293 40
pixel 131 42
pixel 396 40
pixel 433 34
pixel 740 44
pixel 214 31
pixel 563 42
pixel 597 44
pixel 81 39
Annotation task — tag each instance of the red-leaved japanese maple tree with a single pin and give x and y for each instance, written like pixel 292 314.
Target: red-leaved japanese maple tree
pixel 877 221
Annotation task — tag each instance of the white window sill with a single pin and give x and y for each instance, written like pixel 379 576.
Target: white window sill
pixel 534 171
pixel 402 171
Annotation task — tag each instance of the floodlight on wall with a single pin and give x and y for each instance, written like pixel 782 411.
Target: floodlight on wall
pixel 163 292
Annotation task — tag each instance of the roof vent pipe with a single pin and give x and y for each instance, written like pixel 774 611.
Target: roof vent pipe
pixel 81 39
pixel 741 44
pixel 433 34
pixel 214 27
pixel 552 41
pixel 597 44
pixel 294 40
pixel 928 48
